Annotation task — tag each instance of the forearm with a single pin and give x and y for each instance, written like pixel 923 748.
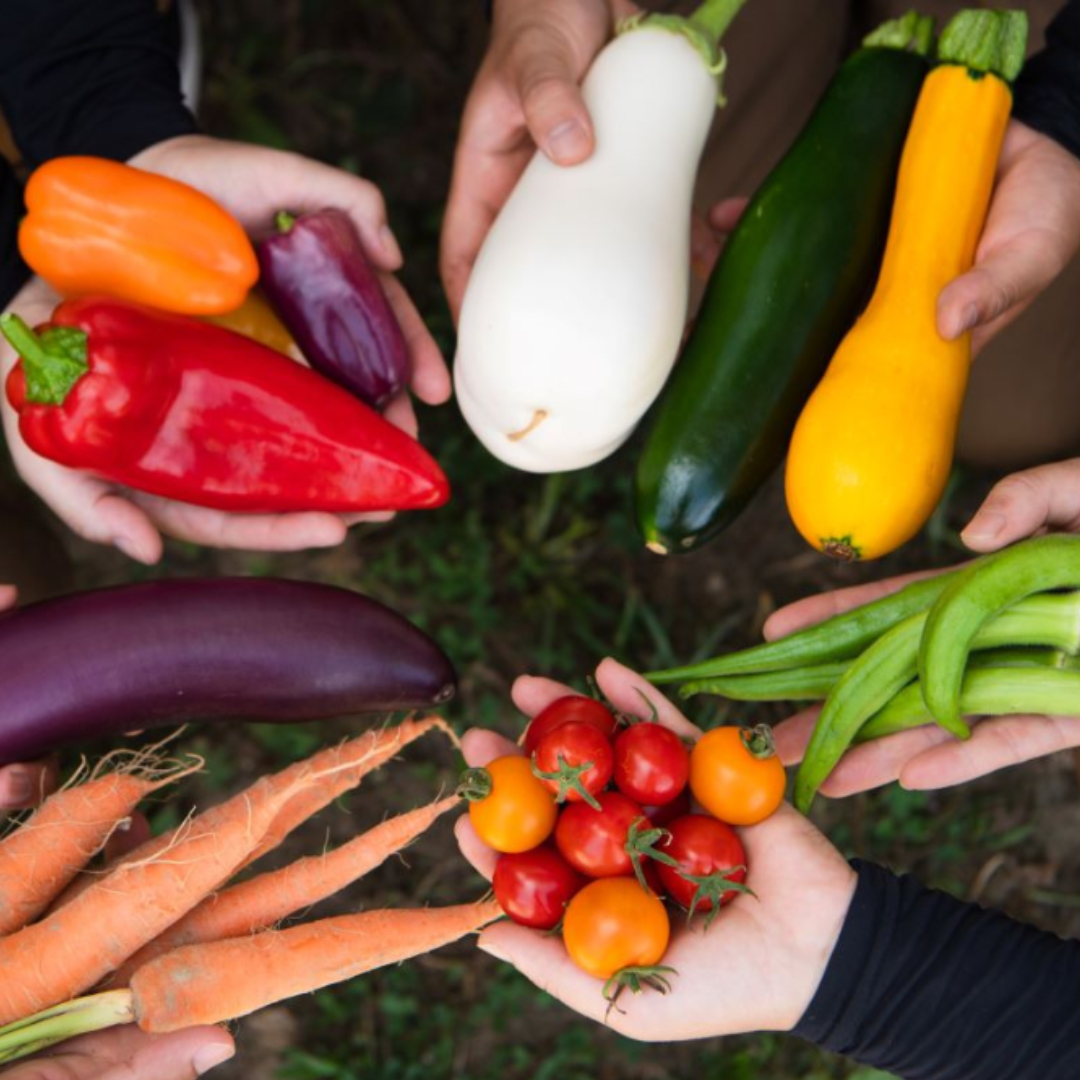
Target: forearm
pixel 1048 90
pixel 89 78
pixel 931 988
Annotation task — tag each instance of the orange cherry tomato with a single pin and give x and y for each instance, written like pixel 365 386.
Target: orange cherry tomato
pixel 512 811
pixel 736 775
pixel 614 923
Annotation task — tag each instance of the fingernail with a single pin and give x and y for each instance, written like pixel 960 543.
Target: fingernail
pixel 210 1057
pixel 568 142
pixel 18 789
pixel 988 526
pixel 123 544
pixel 492 950
pixel 388 242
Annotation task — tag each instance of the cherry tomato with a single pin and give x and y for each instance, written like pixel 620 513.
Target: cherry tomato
pixel 561 758
pixel 594 841
pixel 574 708
pixel 736 775
pixel 678 807
pixel 613 924
pixel 534 887
pixel 651 764
pixel 511 810
pixel 703 847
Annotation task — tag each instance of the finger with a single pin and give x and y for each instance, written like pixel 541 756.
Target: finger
pixel 555 114
pixel 125 1053
pixel 704 247
pixel 994 744
pixel 532 693
pixel 9 596
pixel 792 735
pixel 724 215
pixel 249 532
pixel 476 852
pixel 880 762
pixel 479 746
pixel 544 961
pixel 429 378
pixel 1021 505
pixel 27 784
pixel 632 694
pixel 127 837
pixel 401 414
pixel 814 609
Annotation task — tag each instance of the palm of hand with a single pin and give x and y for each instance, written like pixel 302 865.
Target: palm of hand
pixel 757 966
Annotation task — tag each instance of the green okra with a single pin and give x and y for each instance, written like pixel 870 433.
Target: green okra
pixel 843 637
pixel 1046 689
pixel 972 598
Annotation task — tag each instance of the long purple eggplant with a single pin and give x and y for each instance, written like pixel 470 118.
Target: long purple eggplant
pixel 164 652
pixel 319 281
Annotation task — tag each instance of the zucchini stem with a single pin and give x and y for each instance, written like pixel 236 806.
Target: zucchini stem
pixel 986 42
pixel 910 33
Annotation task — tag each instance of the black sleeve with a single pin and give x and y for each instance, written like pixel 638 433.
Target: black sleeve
pixel 927 987
pixel 1047 94
pixel 13 271
pixel 89 77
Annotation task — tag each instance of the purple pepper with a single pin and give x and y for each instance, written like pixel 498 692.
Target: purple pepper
pixel 319 281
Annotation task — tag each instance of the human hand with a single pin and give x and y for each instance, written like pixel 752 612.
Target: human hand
pixel 758 965
pixel 1028 503
pixel 1032 232
pixel 526 96
pixel 252 183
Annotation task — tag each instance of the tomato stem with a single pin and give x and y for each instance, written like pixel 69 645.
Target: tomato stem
pixel 474 785
pixel 711 889
pixel 759 741
pixel 568 778
pixel 636 979
pixel 641 844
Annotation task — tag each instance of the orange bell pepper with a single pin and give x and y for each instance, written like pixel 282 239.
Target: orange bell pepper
pixel 256 319
pixel 97 226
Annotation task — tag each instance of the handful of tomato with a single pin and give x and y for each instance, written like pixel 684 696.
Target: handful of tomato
pixel 595 829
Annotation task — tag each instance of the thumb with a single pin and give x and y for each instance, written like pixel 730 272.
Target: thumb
pixel 555 113
pixel 1027 503
pixel 995 290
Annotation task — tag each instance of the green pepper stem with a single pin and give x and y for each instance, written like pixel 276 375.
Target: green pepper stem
pixel 65 1021
pixel 987 42
pixel 910 33
pixel 53 361
pixel 284 221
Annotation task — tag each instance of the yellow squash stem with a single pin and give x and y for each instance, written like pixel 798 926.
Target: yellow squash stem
pixel 873 448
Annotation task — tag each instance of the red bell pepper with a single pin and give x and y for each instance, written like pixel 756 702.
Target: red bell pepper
pixel 180 408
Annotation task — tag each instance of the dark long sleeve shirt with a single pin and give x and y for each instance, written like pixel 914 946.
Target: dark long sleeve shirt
pixel 928 987
pixel 1047 94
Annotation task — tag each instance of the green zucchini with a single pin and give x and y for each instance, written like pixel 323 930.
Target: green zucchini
pixel 791 281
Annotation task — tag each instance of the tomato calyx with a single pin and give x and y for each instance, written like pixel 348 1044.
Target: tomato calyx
pixel 759 741
pixel 636 979
pixel 711 889
pixel 568 778
pixel 641 844
pixel 474 785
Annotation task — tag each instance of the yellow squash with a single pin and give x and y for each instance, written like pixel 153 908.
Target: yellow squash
pixel 873 448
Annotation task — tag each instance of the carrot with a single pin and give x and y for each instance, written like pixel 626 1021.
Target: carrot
pixel 260 902
pixel 223 980
pixel 345 766
pixel 45 853
pixel 72 949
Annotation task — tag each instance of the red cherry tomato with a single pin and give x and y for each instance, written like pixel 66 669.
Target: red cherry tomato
pixel 678 807
pixel 594 841
pixel 534 887
pixel 574 708
pixel 707 849
pixel 651 764
pixel 574 758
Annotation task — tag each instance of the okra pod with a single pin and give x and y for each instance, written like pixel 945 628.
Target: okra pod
pixel 1003 691
pixel 842 637
pixel 1051 620
pixel 867 686
pixel 976 595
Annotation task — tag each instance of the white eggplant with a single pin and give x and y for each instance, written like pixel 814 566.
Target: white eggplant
pixel 576 306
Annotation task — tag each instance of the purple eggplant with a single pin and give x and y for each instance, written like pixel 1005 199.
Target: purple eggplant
pixel 105 662
pixel 319 281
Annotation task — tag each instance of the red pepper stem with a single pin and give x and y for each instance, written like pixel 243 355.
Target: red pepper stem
pixel 53 361
pixel 284 221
